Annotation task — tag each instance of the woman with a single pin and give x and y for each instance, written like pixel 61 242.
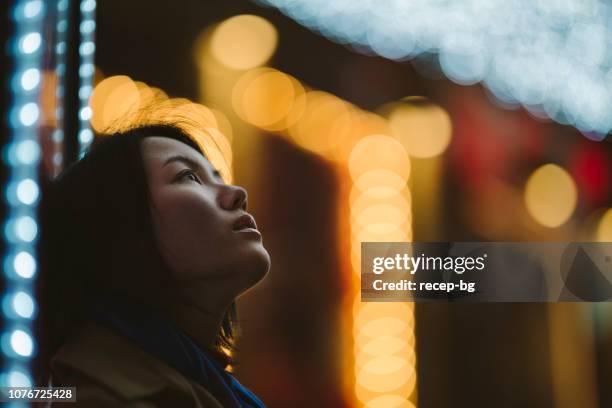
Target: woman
pixel 145 249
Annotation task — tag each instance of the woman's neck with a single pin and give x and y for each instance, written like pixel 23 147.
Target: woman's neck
pixel 201 322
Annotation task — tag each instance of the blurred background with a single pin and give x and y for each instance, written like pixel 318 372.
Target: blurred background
pixel 348 123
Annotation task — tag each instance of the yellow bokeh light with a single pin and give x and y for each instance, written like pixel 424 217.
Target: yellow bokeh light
pixel 146 93
pixel 384 345
pixel 243 42
pixel 403 392
pixel 384 326
pixel 324 123
pixel 404 340
pixel 48 99
pixel 382 365
pixel 223 124
pixel 550 195
pixel 265 98
pixel 381 214
pixel 112 101
pixel 424 129
pixel 367 311
pixel 399 233
pixel 379 183
pixel 390 401
pixel 604 227
pixel 192 112
pixel 362 201
pixel 217 150
pixel 379 152
pixel 387 382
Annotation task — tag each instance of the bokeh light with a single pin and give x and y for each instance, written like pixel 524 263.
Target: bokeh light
pixel 525 52
pixel 265 98
pixel 379 152
pixel 243 42
pixel 113 99
pixel 423 128
pixel 604 227
pixel 324 124
pixel 550 195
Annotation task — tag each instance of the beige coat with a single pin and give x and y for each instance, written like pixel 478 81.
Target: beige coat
pixel 110 371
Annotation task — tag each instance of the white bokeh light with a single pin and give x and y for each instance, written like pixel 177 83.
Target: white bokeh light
pixel 27 191
pixel 25 265
pixel 32 8
pixel 27 152
pixel 28 114
pixel 30 79
pixel 18 378
pixel 22 343
pixel 23 305
pixel 552 57
pixel 26 228
pixel 30 43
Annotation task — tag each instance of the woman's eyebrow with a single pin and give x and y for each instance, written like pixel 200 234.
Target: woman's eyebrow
pixel 190 163
pixel 183 159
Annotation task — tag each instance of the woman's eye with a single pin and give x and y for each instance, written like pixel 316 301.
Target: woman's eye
pixel 190 175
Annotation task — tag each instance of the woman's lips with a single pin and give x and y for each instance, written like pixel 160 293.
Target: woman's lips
pixel 245 222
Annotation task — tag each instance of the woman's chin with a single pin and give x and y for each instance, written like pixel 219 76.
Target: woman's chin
pixel 254 263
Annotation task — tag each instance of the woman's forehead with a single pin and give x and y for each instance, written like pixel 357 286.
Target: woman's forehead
pixel 160 149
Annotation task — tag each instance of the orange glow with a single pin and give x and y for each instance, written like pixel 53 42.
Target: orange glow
pixel 551 195
pixel 363 201
pixel 379 152
pixel 379 183
pixel 243 42
pixel 424 129
pixel 268 99
pixel 604 227
pixel 113 99
pixel 223 124
pixel 324 124
pixel 390 401
pixel 48 99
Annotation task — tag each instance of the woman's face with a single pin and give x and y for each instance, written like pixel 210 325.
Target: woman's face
pixel 201 223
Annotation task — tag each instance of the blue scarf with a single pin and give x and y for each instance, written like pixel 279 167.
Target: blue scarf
pixel 159 337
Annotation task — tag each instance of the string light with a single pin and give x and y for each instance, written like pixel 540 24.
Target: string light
pixel 22 155
pixel 87 49
pixel 61 30
pixel 551 57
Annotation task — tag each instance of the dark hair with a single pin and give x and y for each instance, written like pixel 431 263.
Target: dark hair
pixel 97 239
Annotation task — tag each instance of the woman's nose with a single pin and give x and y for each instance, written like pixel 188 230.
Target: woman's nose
pixel 233 198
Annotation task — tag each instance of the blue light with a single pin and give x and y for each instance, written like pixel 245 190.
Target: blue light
pixel 552 57
pixel 30 42
pixel 23 305
pixel 22 156
pixel 27 191
pixel 87 48
pixel 85 92
pixel 87 70
pixel 24 265
pixel 88 6
pixel 17 378
pixel 87 27
pixel 60 74
pixel 32 8
pixel 85 113
pixel 28 152
pixel 28 114
pixel 26 228
pixel 22 343
pixel 30 79
pixel 86 136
